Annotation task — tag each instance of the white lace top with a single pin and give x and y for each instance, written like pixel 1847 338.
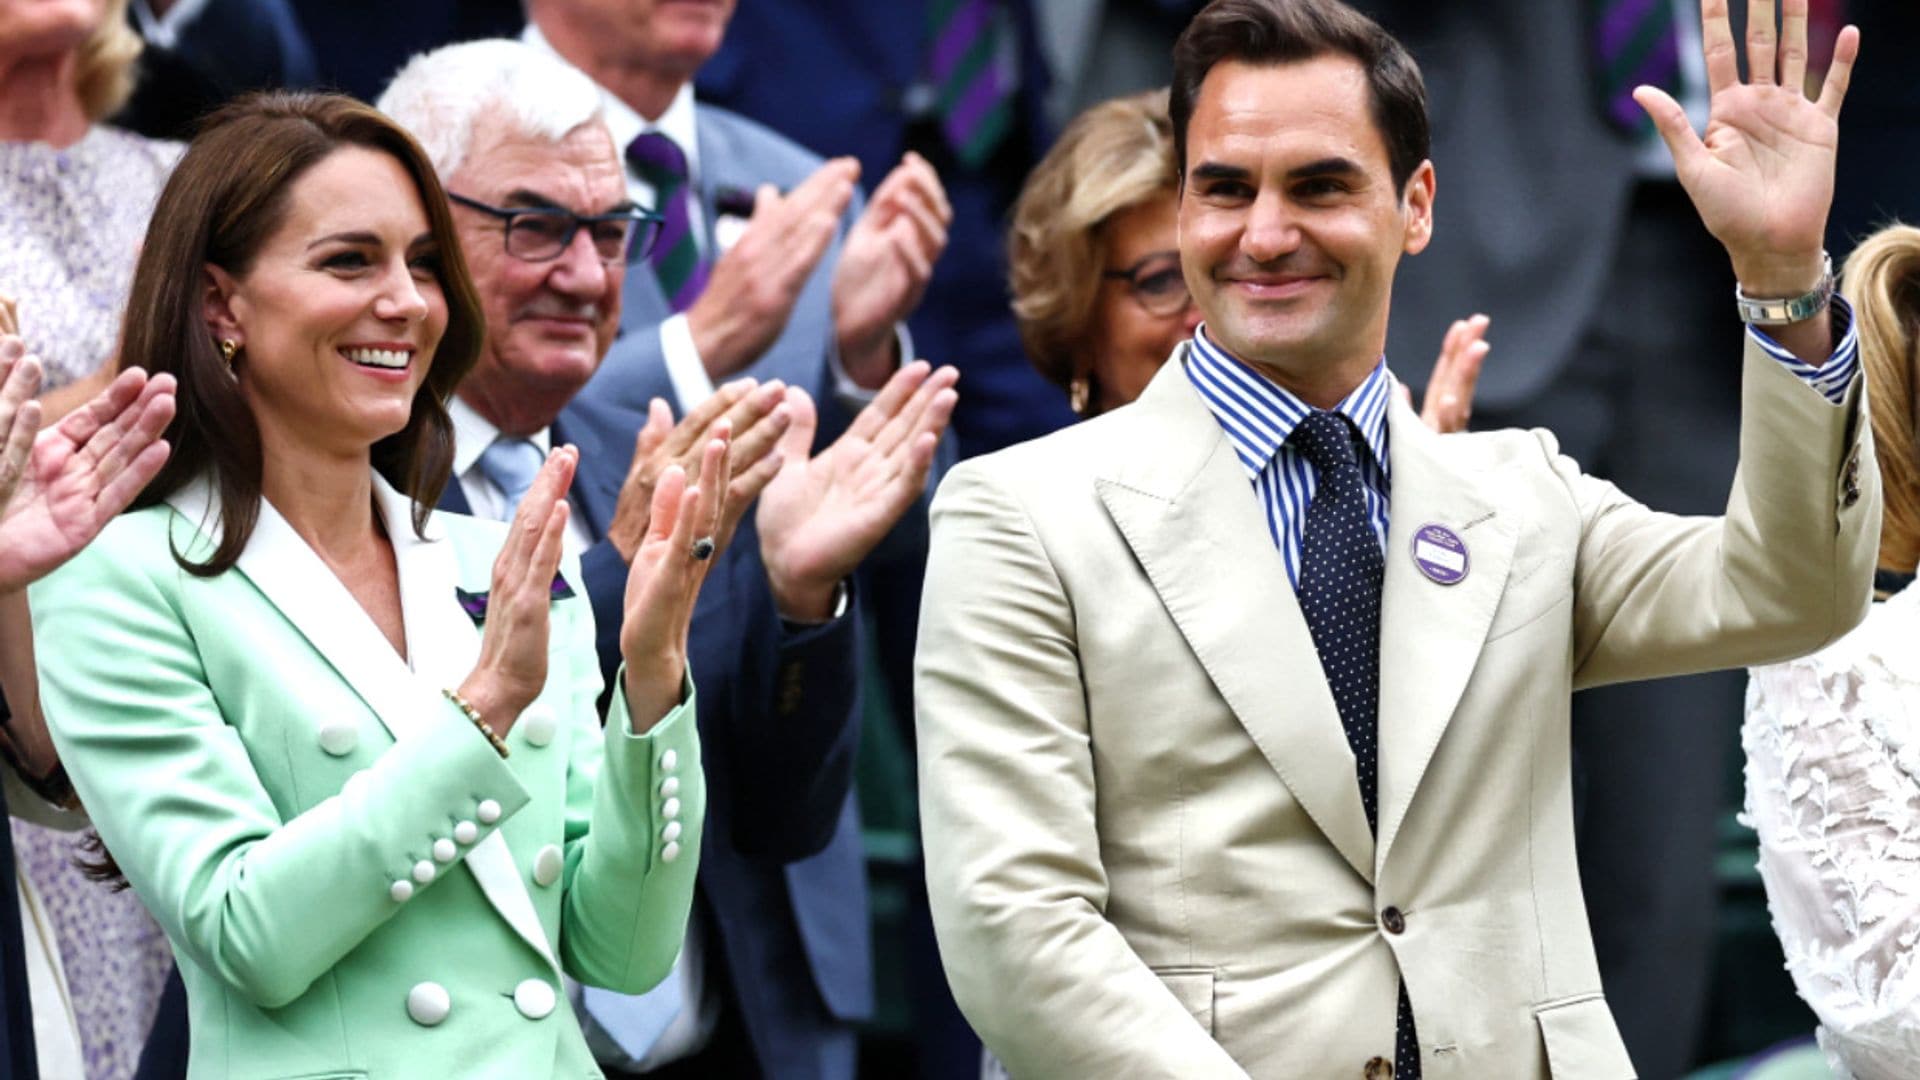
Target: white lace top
pixel 1833 789
pixel 71 224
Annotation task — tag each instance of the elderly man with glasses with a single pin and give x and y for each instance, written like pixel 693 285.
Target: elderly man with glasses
pixel 547 227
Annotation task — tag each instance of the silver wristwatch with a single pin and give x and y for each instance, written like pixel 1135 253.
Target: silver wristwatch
pixel 1794 308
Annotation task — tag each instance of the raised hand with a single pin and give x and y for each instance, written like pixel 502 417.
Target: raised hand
pixel 79 473
pixel 513 643
pixel 664 582
pixel 755 283
pixel 821 515
pixel 753 414
pixel 885 266
pixel 1762 178
pixel 1448 403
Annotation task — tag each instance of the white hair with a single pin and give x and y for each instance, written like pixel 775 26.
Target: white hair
pixel 441 97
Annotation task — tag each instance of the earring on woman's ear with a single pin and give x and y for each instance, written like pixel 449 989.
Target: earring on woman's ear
pixel 1079 394
pixel 229 349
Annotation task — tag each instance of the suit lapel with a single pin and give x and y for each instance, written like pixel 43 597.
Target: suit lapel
pixel 443 645
pixel 1430 634
pixel 596 483
pixel 1185 508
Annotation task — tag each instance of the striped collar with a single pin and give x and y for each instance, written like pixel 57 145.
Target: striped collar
pixel 1258 415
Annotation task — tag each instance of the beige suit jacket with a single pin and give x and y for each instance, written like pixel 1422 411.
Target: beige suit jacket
pixel 1145 843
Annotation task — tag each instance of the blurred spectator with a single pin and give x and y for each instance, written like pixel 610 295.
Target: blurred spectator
pixel 1103 49
pixel 1880 131
pixel 959 82
pixel 75 196
pixel 201 53
pixel 1833 739
pixel 359 44
pixel 1563 220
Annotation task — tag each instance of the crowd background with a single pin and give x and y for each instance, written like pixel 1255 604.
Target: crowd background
pixel 1552 219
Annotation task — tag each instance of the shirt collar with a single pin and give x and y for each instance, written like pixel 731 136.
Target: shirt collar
pixel 1258 415
pixel 626 125
pixel 473 433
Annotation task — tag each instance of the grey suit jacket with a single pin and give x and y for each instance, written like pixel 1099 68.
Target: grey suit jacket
pixel 1146 850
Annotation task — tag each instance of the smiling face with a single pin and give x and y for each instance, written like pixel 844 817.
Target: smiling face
pixel 1290 223
pixel 548 323
pixel 339 312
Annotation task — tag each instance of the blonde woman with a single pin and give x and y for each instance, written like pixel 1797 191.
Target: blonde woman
pixel 1098 292
pixel 1833 739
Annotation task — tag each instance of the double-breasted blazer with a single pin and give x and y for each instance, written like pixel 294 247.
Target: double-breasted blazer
pixel 354 882
pixel 1146 849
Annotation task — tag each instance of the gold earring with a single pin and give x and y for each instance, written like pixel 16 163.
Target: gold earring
pixel 1079 391
pixel 229 348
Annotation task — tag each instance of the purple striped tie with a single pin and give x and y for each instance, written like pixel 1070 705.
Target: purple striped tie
pixel 1635 42
pixel 677 262
pixel 974 70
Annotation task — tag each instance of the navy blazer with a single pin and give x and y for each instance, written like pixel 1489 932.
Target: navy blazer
pixel 782 869
pixel 833 75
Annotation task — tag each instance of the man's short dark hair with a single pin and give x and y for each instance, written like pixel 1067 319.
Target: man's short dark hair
pixel 1288 31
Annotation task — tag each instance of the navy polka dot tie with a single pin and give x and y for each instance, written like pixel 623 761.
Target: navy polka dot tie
pixel 1341 568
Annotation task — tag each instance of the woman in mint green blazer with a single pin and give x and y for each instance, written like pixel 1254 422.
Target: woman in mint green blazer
pixel 346 749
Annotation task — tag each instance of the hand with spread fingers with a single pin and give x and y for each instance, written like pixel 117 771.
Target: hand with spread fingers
pixel 668 570
pixel 885 266
pixel 821 515
pixel 514 640
pixel 1448 403
pixel 756 416
pixel 64 484
pixel 1762 177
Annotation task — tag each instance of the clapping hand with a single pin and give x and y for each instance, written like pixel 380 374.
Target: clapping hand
pixel 64 484
pixel 664 581
pixel 512 667
pixel 754 414
pixel 1762 178
pixel 1448 402
pixel 886 264
pixel 821 515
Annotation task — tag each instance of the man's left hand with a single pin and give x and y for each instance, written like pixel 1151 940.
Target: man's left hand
pixel 1762 178
pixel 819 517
pixel 885 266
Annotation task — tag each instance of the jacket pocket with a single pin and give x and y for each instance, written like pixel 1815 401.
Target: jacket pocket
pixel 1193 987
pixel 1581 1040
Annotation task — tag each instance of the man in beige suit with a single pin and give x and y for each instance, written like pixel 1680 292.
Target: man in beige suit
pixel 1243 710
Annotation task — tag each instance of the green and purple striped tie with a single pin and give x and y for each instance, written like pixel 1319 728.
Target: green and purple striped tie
pixel 974 70
pixel 676 259
pixel 1635 42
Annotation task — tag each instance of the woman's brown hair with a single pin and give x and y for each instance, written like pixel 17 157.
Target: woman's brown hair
pixel 1882 280
pixel 225 199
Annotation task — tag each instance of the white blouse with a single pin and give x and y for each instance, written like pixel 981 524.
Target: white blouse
pixel 1833 789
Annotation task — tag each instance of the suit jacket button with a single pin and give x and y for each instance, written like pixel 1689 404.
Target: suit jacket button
pixel 538 723
pixel 1392 921
pixel 534 998
pixel 428 1003
pixel 1378 1069
pixel 339 737
pixel 669 761
pixel 489 812
pixel 547 865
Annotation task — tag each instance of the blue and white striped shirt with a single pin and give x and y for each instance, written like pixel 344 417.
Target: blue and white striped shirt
pixel 1257 416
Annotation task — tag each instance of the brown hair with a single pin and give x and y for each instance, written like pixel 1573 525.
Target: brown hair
pixel 1289 31
pixel 225 198
pixel 1111 158
pixel 105 72
pixel 1882 279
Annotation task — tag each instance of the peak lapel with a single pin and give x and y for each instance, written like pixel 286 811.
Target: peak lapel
pixel 1430 634
pixel 1187 511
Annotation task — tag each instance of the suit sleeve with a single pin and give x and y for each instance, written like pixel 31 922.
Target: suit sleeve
pixel 636 805
pixel 1007 798
pixel 1788 569
pixel 266 903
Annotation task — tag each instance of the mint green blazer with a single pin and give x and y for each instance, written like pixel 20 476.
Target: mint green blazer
pixel 354 883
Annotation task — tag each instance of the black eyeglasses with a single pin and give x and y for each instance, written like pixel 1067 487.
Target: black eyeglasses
pixel 541 233
pixel 1155 283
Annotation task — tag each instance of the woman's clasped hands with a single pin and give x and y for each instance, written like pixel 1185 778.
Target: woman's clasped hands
pixel 667 570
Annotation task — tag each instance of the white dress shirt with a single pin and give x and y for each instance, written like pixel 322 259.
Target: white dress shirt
pixel 1833 789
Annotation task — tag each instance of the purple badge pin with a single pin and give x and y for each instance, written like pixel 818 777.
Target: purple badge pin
pixel 1440 554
